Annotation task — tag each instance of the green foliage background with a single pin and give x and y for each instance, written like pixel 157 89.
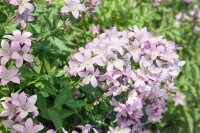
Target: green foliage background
pixel 58 38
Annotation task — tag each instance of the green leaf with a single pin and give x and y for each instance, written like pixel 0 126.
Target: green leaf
pixel 46 65
pixel 190 122
pixel 65 113
pixel 59 43
pixel 61 98
pixel 55 117
pixel 41 101
pixel 76 104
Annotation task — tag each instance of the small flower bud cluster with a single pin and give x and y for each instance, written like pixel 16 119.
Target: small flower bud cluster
pixel 133 63
pixel 17 109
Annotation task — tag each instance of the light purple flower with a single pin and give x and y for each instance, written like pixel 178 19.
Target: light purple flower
pixel 22 54
pixel 86 128
pixel 22 18
pixel 95 29
pixel 28 127
pixel 178 99
pixel 90 77
pixel 10 110
pixel 19 38
pixel 73 6
pixel 6 52
pixel 187 1
pixel 9 75
pixel 86 60
pixel 26 105
pixel 119 130
pixel 23 5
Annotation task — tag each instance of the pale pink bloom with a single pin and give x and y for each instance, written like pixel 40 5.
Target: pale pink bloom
pixel 134 51
pixel 22 54
pixel 28 127
pixel 178 99
pixel 90 77
pixel 23 5
pixel 73 6
pixel 10 110
pixel 110 77
pixel 86 128
pixel 86 60
pixel 6 52
pixel 27 105
pixel 22 18
pixel 95 29
pixel 187 1
pixel 9 75
pixel 11 123
pixel 19 38
pixel 113 61
pixel 119 130
pixel 156 3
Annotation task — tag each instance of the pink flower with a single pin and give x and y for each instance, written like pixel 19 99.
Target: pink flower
pixel 23 4
pixel 187 1
pixel 86 128
pixel 90 76
pixel 119 130
pixel 22 18
pixel 26 105
pixel 73 6
pixel 86 60
pixel 6 52
pixel 28 127
pixel 178 99
pixel 95 29
pixel 10 110
pixel 22 55
pixel 113 61
pixel 19 38
pixel 9 75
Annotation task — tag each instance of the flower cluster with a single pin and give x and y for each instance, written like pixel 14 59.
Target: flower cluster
pixel 17 108
pixel 20 43
pixel 133 63
pixel 193 13
pixel 75 6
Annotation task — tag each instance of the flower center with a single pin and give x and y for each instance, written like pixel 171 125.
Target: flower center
pixel 21 3
pixel 24 108
pixel 154 54
pixel 72 8
pixel 13 110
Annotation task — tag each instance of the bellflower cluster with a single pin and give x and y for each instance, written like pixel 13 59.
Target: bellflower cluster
pixel 17 108
pixel 19 46
pixel 134 63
